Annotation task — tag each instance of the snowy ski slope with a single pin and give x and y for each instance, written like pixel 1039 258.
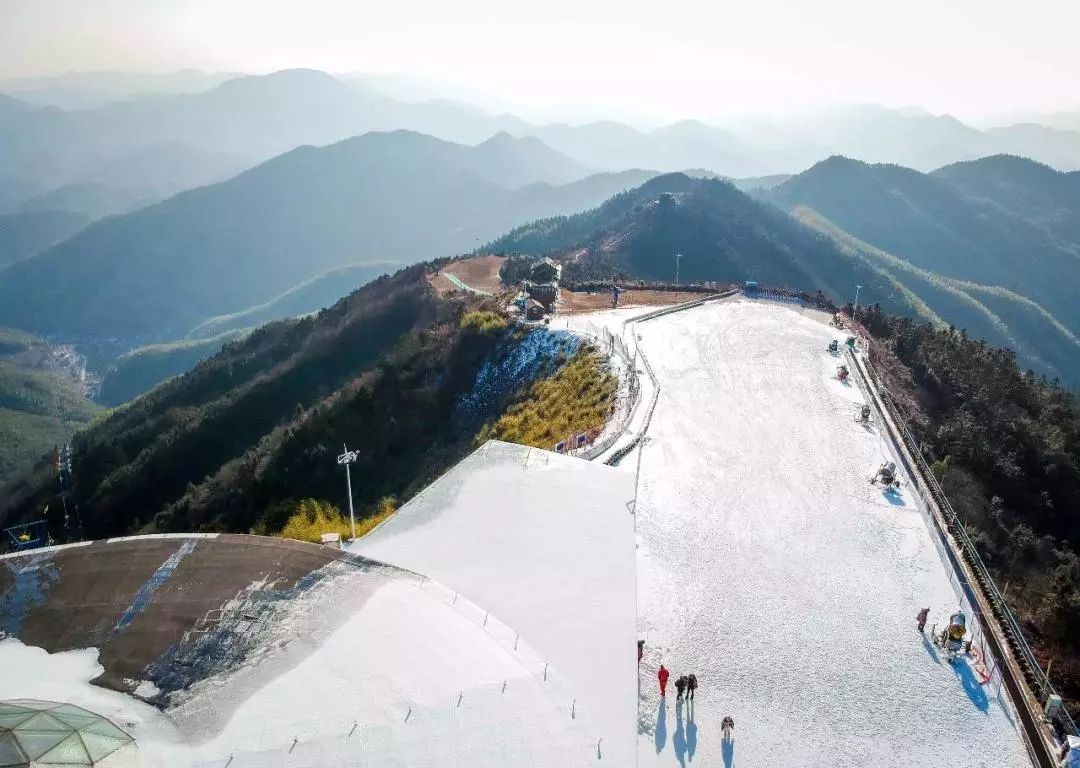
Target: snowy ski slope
pixel 546 543
pixel 770 567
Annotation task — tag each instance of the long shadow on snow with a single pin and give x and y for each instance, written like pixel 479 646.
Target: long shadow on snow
pixel 971 685
pixel 727 749
pixel 678 741
pixel 691 734
pixel 893 497
pixel 661 727
pixel 931 650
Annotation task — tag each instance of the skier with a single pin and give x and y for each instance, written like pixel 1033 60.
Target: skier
pixel 662 676
pixel 921 618
pixel 680 686
pixel 727 725
pixel 691 685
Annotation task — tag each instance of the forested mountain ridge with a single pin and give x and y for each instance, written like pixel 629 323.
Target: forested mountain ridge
pixel 721 233
pixel 991 245
pixel 392 369
pixel 158 272
pixel 725 236
pixel 958 222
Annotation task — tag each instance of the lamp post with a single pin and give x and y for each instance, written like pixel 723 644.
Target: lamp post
pixel 678 258
pixel 346 459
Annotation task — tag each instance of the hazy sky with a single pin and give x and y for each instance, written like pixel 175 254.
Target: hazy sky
pixel 661 59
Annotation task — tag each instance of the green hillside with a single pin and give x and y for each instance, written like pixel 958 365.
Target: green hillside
pixel 309 296
pixel 393 370
pixel 140 370
pixel 154 274
pixel 992 245
pixel 38 410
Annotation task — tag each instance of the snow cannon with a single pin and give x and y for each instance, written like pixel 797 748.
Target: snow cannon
pixel 952 637
pixel 863 416
pixel 834 347
pixel 887 475
pixel 850 342
pixel 838 320
pixel 842 373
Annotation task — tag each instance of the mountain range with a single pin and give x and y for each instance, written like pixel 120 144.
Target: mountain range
pixel 991 246
pixel 246 119
pixel 401 197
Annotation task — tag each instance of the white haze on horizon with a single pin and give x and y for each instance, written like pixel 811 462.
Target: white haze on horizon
pixel 644 62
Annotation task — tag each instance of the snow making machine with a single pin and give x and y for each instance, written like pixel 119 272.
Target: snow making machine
pixel 842 373
pixel 834 347
pixel 862 416
pixel 951 638
pixel 886 475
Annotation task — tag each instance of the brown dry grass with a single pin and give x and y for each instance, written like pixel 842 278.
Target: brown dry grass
pixel 574 302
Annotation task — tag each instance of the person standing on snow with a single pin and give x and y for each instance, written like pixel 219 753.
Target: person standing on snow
pixel 662 676
pixel 921 618
pixel 727 725
pixel 680 686
pixel 691 686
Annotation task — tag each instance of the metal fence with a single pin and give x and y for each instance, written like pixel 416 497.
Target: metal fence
pixel 613 345
pixel 1033 672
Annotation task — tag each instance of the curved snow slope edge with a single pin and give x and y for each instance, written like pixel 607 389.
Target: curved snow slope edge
pixel 547 543
pixel 265 652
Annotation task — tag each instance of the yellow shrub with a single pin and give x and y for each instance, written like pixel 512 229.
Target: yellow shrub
pixel 313 518
pixel 483 321
pixel 578 398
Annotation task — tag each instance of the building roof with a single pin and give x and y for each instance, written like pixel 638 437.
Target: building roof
pixel 45 733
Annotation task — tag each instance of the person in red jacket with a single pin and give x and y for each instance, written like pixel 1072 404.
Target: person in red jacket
pixel 662 676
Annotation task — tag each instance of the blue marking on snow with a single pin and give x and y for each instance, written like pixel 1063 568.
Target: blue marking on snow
pixel 34 576
pixel 519 365
pixel 161 575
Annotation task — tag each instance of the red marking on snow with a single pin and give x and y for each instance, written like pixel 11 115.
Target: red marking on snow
pixel 979 664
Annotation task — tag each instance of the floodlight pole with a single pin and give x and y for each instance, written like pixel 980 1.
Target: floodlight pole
pixel 347 458
pixel 855 311
pixel 678 258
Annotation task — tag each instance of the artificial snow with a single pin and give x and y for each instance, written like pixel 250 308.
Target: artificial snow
pixel 413 677
pixel 545 542
pixel 770 566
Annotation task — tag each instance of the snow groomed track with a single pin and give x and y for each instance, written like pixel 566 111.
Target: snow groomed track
pixel 770 567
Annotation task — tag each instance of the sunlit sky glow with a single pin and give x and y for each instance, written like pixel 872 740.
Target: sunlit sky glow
pixel 659 60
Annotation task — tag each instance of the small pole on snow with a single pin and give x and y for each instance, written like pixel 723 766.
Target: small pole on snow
pixel 485 618
pixel 545 670
pixel 573 710
pixel 599 756
pixel 460 696
pixel 516 638
pixel 294 740
pixel 351 732
pixel 504 687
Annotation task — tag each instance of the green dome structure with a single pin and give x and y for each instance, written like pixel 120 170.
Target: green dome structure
pixel 36 734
